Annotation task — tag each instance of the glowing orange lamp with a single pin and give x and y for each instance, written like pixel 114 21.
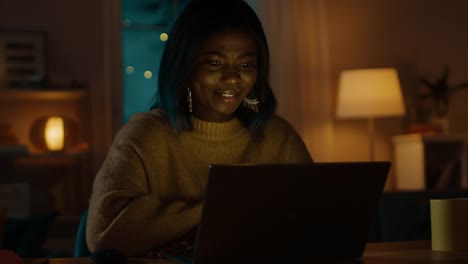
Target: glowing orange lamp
pixel 54 133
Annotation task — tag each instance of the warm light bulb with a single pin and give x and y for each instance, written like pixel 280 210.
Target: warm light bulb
pixel 54 133
pixel 148 74
pixel 163 37
pixel 130 69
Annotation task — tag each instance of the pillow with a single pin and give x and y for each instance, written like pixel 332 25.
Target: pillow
pixel 25 236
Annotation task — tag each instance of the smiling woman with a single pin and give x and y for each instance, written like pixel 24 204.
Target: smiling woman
pixel 194 30
pixel 214 105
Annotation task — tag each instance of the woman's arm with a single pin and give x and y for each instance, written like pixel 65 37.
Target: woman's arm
pixel 124 214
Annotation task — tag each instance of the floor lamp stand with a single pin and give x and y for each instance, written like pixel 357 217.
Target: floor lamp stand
pixel 370 127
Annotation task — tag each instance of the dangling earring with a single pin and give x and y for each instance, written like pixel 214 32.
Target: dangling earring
pixel 189 99
pixel 251 103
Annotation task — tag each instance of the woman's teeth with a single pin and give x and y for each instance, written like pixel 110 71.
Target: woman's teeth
pixel 228 93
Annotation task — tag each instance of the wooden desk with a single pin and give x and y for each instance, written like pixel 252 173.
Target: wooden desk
pixel 376 253
pixel 410 252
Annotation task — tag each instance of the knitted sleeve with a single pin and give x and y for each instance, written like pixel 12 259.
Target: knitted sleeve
pixel 123 213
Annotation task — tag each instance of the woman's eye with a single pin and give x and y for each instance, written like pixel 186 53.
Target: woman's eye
pixel 247 65
pixel 214 63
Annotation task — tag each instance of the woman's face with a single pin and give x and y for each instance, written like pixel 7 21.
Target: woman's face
pixel 225 72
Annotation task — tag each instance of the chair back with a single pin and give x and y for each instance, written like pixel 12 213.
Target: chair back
pixel 3 220
pixel 81 248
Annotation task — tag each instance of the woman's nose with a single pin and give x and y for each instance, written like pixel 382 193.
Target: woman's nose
pixel 231 76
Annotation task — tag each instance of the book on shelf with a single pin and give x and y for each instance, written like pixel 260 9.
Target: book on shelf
pixel 13 150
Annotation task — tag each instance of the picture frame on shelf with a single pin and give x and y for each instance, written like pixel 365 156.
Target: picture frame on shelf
pixel 22 58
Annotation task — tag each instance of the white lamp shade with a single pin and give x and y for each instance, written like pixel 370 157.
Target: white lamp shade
pixel 369 93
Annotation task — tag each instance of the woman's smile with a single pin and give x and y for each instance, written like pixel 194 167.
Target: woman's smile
pixel 229 96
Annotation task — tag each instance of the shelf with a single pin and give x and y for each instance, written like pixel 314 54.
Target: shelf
pixel 50 159
pixel 434 138
pixel 37 94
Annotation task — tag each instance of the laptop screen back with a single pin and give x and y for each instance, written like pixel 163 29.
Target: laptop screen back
pixel 290 212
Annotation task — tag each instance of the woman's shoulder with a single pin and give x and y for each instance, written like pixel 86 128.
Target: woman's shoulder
pixel 155 118
pixel 154 115
pixel 278 128
pixel 150 123
pixel 277 122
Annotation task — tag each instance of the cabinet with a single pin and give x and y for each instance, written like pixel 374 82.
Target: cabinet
pixel 40 183
pixel 431 161
pixel 50 180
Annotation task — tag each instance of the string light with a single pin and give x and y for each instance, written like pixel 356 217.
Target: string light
pixel 163 37
pixel 148 74
pixel 130 69
pixel 127 23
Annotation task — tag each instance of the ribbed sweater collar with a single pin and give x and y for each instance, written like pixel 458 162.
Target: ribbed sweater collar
pixel 217 130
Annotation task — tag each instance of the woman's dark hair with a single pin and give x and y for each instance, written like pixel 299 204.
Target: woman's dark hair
pixel 198 21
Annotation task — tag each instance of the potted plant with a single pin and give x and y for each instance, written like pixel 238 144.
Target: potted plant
pixel 435 98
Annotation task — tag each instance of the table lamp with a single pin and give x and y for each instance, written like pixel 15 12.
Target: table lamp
pixel 54 133
pixel 369 93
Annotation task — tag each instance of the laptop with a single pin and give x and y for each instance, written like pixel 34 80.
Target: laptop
pixel 289 213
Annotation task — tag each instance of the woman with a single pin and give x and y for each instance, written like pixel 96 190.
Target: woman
pixel 214 105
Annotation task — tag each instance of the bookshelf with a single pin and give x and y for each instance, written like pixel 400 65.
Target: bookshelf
pixel 54 181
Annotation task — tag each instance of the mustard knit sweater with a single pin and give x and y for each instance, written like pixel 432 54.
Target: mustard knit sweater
pixel 150 188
